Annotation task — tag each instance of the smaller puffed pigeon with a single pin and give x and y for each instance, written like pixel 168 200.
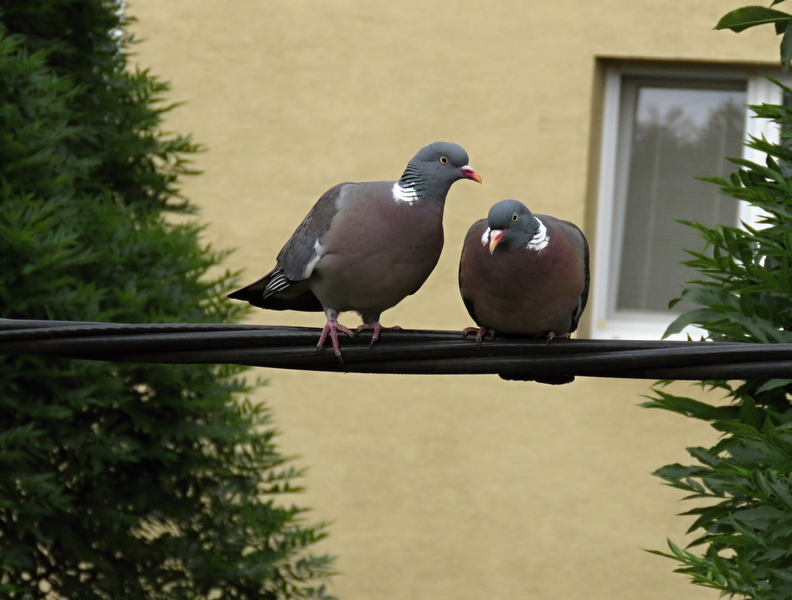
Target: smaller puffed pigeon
pixel 524 274
pixel 365 246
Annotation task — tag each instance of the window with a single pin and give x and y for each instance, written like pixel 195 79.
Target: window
pixel 662 127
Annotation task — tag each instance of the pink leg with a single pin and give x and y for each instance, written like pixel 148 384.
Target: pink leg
pixel 333 327
pixel 563 336
pixel 377 329
pixel 480 332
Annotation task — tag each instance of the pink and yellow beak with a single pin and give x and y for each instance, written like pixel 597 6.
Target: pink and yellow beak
pixel 469 173
pixel 496 235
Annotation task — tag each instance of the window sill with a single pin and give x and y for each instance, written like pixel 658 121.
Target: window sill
pixel 640 326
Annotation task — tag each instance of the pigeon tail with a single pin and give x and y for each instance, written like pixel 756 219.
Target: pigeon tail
pixel 275 292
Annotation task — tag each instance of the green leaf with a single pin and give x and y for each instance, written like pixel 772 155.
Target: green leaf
pixel 786 47
pixel 761 513
pixel 682 405
pixel 750 16
pixel 678 552
pixel 773 384
pixel 786 575
pixel 677 472
pixel 731 540
pixel 692 317
pixel 749 414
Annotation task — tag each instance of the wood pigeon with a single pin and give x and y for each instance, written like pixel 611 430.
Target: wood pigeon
pixel 524 274
pixel 365 246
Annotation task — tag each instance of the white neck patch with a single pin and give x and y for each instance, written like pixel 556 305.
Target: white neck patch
pixel 538 242
pixel 404 195
pixel 540 239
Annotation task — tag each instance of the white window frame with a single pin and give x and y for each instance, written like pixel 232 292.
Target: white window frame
pixel 606 322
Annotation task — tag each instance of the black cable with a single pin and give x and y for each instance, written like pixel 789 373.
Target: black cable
pixel 396 352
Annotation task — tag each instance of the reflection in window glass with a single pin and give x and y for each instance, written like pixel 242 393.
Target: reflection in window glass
pixel 670 133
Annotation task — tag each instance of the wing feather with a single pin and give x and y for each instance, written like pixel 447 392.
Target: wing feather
pixel 579 242
pixel 303 246
pixel 285 287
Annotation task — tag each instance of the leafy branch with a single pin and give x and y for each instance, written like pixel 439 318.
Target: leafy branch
pixel 743 484
pixel 750 16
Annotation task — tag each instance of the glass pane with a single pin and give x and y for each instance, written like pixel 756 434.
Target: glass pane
pixel 671 133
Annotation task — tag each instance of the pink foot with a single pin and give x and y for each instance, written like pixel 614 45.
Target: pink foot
pixel 377 329
pixel 333 327
pixel 480 332
pixel 563 336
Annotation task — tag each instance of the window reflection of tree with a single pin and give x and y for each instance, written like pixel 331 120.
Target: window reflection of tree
pixel 668 152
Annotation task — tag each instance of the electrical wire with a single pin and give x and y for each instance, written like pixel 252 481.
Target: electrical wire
pixel 396 352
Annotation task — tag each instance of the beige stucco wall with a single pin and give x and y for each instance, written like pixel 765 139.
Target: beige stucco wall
pixel 439 487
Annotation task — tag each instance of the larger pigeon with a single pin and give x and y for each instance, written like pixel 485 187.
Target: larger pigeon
pixel 366 246
pixel 524 274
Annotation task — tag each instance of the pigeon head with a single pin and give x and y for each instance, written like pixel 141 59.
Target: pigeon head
pixel 435 167
pixel 511 225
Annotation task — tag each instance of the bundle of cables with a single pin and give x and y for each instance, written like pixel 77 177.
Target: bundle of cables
pixel 397 352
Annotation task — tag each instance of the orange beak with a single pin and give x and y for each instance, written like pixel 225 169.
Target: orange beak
pixel 469 173
pixel 496 235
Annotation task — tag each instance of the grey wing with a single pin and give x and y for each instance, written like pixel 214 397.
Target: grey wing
pixel 298 257
pixel 284 287
pixel 579 242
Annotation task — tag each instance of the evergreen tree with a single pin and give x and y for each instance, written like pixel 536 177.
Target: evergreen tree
pixel 121 480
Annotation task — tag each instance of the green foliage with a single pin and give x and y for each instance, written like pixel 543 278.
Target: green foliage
pixel 746 524
pixel 750 16
pixel 744 529
pixel 120 480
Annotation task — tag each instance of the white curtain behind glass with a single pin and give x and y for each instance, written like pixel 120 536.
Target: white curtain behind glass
pixel 670 133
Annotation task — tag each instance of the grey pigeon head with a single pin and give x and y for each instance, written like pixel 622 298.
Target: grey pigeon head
pixel 511 225
pixel 436 166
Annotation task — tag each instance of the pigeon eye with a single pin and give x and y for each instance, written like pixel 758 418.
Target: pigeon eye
pixel 515 216
pixel 443 160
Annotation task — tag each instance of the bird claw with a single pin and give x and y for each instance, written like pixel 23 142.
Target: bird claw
pixel 480 332
pixel 377 329
pixel 563 336
pixel 333 327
